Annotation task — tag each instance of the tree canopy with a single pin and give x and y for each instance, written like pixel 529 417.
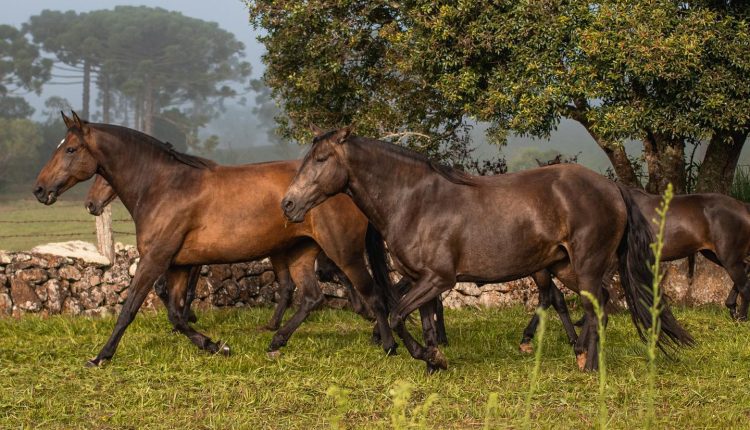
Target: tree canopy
pixel 22 69
pixel 147 62
pixel 663 72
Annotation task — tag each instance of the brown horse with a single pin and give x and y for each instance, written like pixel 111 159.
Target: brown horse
pixel 102 194
pixel 715 225
pixel 188 212
pixel 445 226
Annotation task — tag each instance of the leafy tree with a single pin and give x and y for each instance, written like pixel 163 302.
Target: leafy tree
pixel 663 72
pixel 148 60
pixel 19 148
pixel 329 64
pixel 22 69
pixel 77 40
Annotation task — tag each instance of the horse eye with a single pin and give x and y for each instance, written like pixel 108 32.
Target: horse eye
pixel 321 159
pixel 70 150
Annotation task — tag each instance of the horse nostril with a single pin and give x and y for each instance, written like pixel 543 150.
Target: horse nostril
pixel 38 191
pixel 288 205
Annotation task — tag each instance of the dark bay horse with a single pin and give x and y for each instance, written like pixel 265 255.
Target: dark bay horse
pixel 102 194
pixel 445 226
pixel 188 212
pixel 714 225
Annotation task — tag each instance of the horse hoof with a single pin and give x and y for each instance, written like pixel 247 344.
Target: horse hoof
pixel 431 370
pixel 526 348
pixel 581 360
pixel 92 363
pixel 273 355
pixel 224 350
pixel 436 358
pixel 390 352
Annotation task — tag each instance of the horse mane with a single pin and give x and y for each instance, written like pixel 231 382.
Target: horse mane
pixel 187 159
pixel 452 174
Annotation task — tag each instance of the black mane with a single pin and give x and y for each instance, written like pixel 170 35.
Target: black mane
pixel 452 174
pixel 130 134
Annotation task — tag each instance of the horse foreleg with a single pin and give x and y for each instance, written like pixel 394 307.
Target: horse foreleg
pixel 423 294
pixel 150 268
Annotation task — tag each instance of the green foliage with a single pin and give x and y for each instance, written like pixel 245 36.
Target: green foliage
pixel 741 185
pixel 534 377
pixel 661 71
pixel 333 64
pixel 19 148
pixel 601 359
pixel 656 305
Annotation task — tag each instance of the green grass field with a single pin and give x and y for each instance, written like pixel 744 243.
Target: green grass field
pixel 159 380
pixel 65 220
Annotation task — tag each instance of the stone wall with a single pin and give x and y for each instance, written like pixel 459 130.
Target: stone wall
pixel 47 284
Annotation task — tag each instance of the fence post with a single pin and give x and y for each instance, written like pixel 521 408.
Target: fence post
pixel 104 241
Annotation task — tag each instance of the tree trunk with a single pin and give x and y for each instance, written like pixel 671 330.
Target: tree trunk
pixel 716 173
pixel 86 89
pixel 620 161
pixel 106 98
pixel 148 109
pixel 665 160
pixel 615 151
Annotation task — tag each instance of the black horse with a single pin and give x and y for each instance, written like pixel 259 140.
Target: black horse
pixel 445 226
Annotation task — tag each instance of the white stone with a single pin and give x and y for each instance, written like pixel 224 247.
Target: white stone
pixel 75 249
pixel 468 288
pixel 5 257
pixel 133 267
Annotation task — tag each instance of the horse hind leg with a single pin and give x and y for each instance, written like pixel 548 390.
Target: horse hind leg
pixel 740 288
pixel 187 312
pixel 178 280
pixel 302 270
pixel 543 282
pixel 286 291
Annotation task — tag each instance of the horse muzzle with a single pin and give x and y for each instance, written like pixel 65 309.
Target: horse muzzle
pixel 94 209
pixel 45 196
pixel 292 211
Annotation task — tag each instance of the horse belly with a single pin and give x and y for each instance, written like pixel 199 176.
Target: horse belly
pixel 247 242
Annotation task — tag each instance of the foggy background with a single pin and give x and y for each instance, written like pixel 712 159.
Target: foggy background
pixel 245 129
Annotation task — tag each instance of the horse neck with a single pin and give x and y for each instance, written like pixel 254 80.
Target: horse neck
pixel 133 168
pixel 378 192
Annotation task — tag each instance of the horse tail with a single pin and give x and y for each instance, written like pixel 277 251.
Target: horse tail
pixel 635 257
pixel 691 267
pixel 378 261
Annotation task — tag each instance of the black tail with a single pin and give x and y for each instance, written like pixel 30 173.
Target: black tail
pixel 691 267
pixel 635 256
pixel 376 257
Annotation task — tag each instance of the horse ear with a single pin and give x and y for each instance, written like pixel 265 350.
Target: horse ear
pixel 68 122
pixel 79 123
pixel 316 130
pixel 343 133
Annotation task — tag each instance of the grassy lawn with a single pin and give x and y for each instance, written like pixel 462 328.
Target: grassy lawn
pixel 159 380
pixel 65 220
